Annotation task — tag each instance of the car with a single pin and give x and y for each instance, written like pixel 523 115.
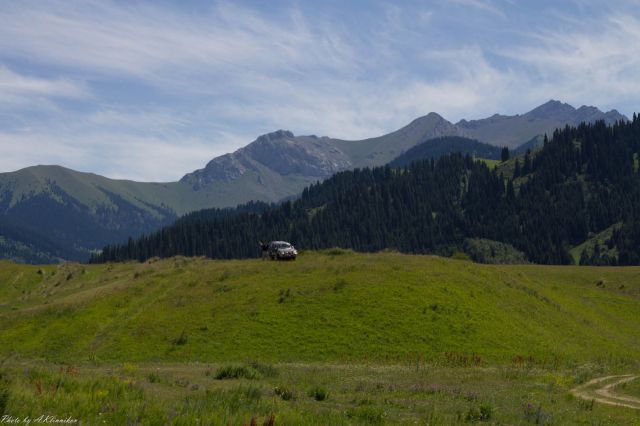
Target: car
pixel 282 250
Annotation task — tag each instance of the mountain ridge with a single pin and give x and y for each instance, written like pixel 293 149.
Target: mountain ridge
pixel 583 181
pixel 275 166
pixel 514 130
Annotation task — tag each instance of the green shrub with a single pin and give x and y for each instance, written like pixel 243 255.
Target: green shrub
pixel 486 411
pixel 337 251
pixel 153 377
pixel 533 413
pixel 285 393
pixel 339 285
pixel 266 370
pixel 458 255
pixel 587 405
pixel 481 414
pixel 252 393
pixel 284 295
pixel 129 368
pixel 237 372
pixel 181 340
pixel 490 251
pixel 319 394
pixel 368 415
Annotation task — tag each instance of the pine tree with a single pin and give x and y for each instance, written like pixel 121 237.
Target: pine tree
pixel 504 154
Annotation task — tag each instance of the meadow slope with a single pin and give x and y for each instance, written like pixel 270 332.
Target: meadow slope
pixel 335 338
pixel 334 306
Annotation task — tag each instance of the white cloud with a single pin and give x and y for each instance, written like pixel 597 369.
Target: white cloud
pixel 18 89
pixel 118 156
pixel 483 5
pixel 598 64
pixel 154 43
pixel 188 86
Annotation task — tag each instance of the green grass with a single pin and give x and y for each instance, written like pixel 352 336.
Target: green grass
pixel 189 393
pixel 490 163
pixel 630 388
pixel 600 238
pixel 383 307
pixel 335 337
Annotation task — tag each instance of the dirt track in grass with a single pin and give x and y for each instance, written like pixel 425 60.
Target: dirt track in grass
pixel 601 390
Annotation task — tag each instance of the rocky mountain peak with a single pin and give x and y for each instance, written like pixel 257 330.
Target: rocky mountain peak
pixel 552 110
pixel 278 134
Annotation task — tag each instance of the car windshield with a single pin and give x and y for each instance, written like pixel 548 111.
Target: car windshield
pixel 282 245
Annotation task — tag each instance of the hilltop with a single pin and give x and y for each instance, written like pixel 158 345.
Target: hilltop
pixel 330 306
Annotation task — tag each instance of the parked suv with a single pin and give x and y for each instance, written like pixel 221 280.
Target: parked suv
pixel 282 250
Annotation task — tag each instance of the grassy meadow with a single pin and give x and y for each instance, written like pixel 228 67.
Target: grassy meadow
pixel 332 338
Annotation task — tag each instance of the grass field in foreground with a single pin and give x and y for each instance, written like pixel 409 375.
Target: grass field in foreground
pixel 314 394
pixel 389 337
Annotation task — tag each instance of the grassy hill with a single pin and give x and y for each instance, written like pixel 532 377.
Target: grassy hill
pixel 348 307
pixel 333 338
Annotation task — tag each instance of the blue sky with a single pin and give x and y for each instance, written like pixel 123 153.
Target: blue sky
pixel 152 90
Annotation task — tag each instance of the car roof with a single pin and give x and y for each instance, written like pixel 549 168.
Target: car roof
pixel 278 242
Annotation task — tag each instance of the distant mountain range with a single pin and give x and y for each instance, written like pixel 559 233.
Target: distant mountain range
pixel 514 130
pixel 574 200
pixel 49 213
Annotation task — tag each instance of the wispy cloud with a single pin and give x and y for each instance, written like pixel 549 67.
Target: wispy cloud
pixel 483 5
pixel 150 42
pixel 598 64
pixel 155 90
pixel 119 156
pixel 18 89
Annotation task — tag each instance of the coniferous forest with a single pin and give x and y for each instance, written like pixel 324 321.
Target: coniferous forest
pixel 582 182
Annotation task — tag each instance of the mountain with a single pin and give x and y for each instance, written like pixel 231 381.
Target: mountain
pixel 439 147
pixel 49 213
pixel 584 181
pixel 74 212
pixel 380 150
pixel 309 158
pixel 512 131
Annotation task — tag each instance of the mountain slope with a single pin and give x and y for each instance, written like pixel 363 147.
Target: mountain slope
pixel 76 211
pixel 377 151
pixel 281 153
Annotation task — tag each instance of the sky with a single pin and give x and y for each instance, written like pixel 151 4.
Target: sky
pixel 152 90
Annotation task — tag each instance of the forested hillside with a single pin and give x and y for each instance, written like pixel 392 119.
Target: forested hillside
pixel 439 147
pixel 580 183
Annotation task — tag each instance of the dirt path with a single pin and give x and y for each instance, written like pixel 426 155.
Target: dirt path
pixel 601 390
